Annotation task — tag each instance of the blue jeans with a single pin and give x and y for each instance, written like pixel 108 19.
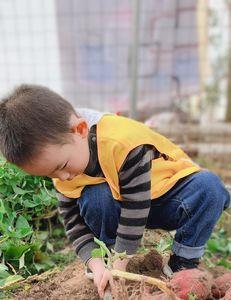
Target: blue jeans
pixel 192 208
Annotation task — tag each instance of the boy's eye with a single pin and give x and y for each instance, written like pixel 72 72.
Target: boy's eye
pixel 64 166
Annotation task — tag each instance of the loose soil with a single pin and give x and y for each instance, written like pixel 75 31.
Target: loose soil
pixel 72 284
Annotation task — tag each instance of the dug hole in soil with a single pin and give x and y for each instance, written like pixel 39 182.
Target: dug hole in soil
pixel 72 283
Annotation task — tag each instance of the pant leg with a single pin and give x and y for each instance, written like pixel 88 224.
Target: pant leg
pixel 100 211
pixel 192 208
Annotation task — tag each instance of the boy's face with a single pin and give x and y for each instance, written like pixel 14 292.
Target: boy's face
pixel 63 161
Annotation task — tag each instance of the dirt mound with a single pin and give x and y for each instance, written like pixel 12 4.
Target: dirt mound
pixel 70 284
pixel 149 264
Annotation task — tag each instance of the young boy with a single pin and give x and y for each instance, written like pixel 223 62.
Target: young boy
pixel 115 176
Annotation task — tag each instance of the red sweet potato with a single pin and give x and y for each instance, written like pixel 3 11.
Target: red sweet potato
pixel 227 295
pixel 193 281
pixel 220 285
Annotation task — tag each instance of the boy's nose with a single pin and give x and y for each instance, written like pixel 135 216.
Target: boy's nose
pixel 71 177
pixel 64 176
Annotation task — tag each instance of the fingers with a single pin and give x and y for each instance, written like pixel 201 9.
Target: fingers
pixel 104 282
pixel 121 264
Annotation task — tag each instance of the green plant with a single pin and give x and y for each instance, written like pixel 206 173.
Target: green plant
pixel 109 257
pixel 26 205
pixel 218 249
pixel 192 297
pixel 164 245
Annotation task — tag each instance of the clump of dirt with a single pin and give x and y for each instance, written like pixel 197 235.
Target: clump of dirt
pixel 70 284
pixel 149 264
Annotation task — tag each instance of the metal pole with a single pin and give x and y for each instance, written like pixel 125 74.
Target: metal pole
pixel 134 58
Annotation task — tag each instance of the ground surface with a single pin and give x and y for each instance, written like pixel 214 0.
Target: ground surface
pixel 72 284
pixel 69 284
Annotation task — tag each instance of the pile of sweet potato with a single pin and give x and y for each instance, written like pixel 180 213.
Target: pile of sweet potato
pixel 199 284
pixel 221 288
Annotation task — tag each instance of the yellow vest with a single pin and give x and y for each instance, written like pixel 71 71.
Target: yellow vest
pixel 116 137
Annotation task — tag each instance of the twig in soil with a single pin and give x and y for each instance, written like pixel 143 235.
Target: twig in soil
pixel 136 277
pixel 49 215
pixel 36 277
pixel 12 268
pixel 227 214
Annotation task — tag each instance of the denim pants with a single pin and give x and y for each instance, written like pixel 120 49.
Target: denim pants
pixel 192 208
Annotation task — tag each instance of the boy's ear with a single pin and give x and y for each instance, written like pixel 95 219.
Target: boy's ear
pixel 80 127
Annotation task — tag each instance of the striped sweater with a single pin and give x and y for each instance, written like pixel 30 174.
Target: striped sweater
pixel 135 190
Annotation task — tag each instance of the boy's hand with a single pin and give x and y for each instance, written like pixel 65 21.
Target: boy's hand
pixel 121 264
pixel 106 279
pixel 101 275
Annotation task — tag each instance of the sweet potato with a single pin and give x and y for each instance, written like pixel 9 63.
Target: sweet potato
pixel 227 295
pixel 220 285
pixel 193 281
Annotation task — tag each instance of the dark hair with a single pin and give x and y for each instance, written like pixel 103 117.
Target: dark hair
pixel 31 117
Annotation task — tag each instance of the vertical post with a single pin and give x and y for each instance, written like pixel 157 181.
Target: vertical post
pixel 134 57
pixel 228 109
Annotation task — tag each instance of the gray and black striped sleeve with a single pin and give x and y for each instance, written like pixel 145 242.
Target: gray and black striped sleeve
pixel 135 189
pixel 76 230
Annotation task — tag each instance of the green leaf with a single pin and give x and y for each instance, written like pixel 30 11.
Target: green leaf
pixel 4 274
pixel 28 203
pixel 2 207
pixel 3 267
pixel 229 247
pixel 19 191
pixel 24 232
pixel 20 233
pixel 22 261
pixel 103 247
pixel 12 251
pixel 96 253
pixel 142 250
pixel 11 279
pixel 46 265
pixel 22 223
pixel 192 297
pixel 213 245
pixel 39 267
pixel 3 189
pixel 225 263
pixel 42 235
pixel 50 247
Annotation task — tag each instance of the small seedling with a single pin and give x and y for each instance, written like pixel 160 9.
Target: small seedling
pixel 192 297
pixel 109 257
